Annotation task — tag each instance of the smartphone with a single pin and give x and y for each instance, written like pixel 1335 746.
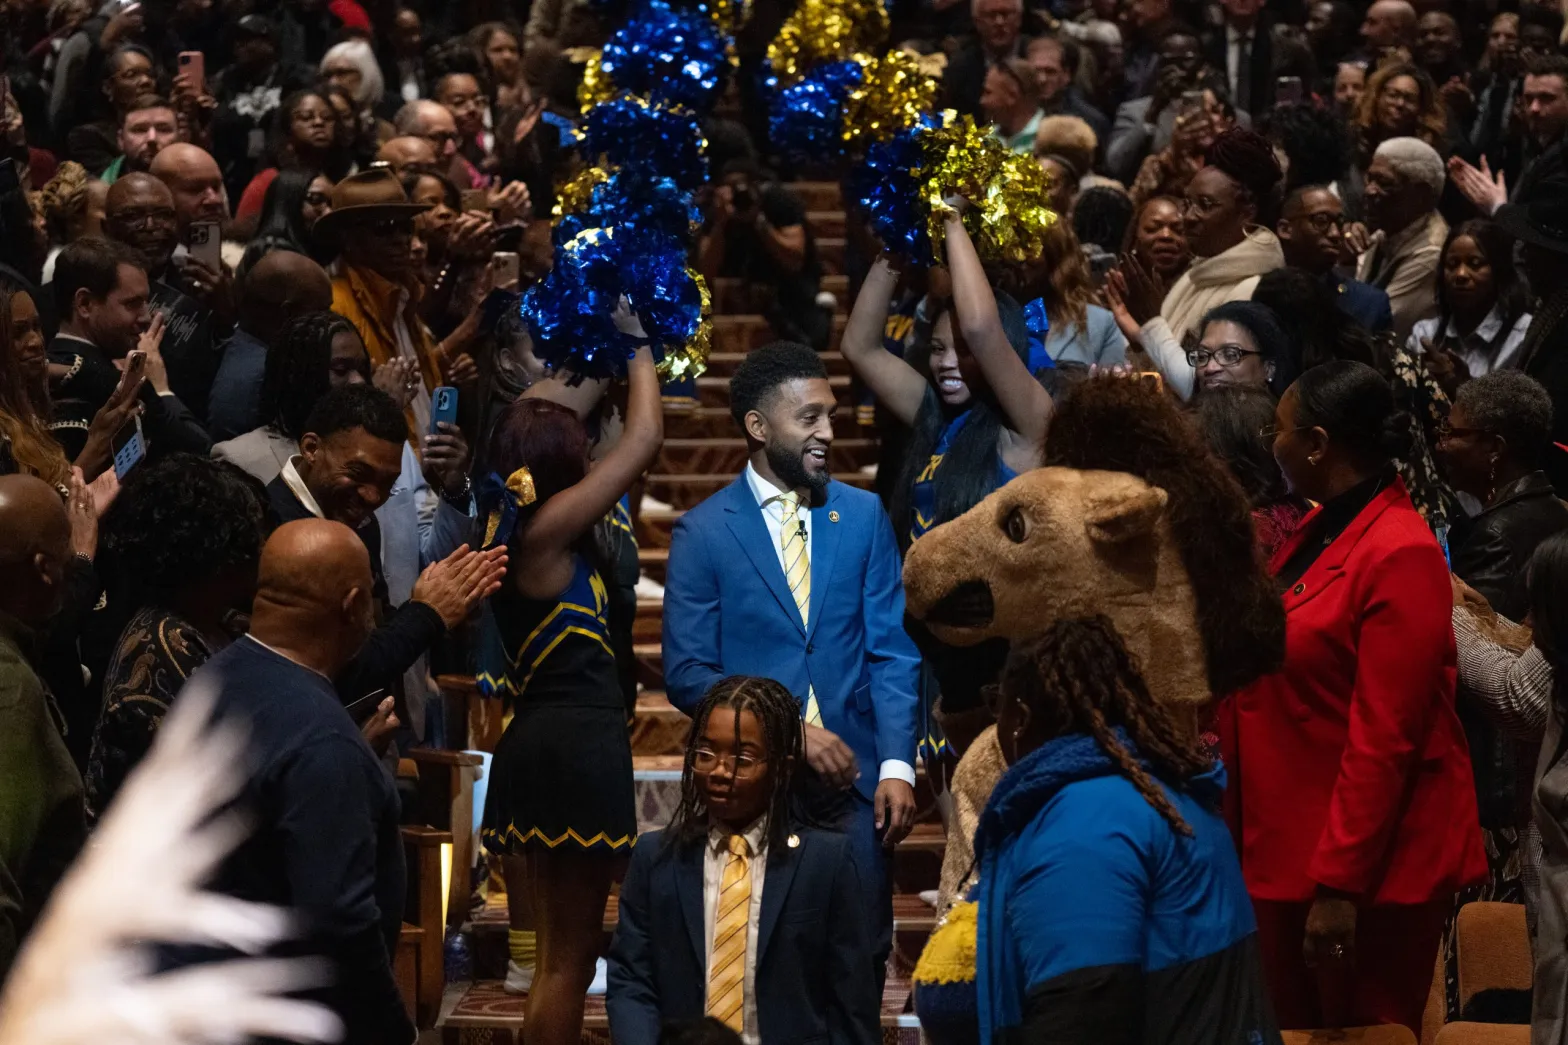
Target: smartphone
pixel 207 244
pixel 443 407
pixel 1191 101
pixel 476 201
pixel 505 269
pixel 1287 90
pixel 129 446
pixel 194 65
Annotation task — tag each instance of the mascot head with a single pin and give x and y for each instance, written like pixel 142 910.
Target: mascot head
pixel 1132 518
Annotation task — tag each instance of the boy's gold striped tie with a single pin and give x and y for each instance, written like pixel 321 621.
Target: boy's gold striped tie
pixel 727 971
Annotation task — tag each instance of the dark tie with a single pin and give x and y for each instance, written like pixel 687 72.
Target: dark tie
pixel 1244 73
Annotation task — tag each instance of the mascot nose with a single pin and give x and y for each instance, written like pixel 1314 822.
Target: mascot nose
pixel 967 606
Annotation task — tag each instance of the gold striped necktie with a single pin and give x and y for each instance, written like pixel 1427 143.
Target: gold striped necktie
pixel 727 970
pixel 797 572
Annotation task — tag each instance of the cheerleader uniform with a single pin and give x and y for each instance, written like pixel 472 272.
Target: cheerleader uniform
pixel 561 779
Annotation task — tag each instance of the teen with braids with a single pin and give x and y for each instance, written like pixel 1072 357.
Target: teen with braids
pixel 1111 907
pixel 977 422
pixel 777 949
pixel 560 809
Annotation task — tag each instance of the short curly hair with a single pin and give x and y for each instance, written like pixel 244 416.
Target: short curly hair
pixel 1315 139
pixel 759 375
pixel 358 406
pixel 1514 405
pixel 176 522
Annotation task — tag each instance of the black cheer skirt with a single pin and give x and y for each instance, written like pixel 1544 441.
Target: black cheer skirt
pixel 561 781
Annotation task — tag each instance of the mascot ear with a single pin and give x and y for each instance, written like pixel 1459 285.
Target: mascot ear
pixel 1122 508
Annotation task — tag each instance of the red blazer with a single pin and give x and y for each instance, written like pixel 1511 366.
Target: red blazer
pixel 1349 767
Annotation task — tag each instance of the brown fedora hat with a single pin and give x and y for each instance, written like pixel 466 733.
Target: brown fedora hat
pixel 367 196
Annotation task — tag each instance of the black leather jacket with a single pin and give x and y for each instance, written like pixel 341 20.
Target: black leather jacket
pixel 1496 549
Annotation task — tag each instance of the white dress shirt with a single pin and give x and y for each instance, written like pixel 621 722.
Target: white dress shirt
pixel 715 855
pixel 767 495
pixel 1473 346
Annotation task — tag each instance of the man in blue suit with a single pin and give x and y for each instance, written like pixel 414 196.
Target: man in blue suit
pixel 790 575
pixel 1311 233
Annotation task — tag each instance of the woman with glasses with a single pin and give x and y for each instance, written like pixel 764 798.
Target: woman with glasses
pixel 1227 209
pixel 1242 345
pixel 1400 101
pixel 1483 307
pixel 1352 779
pixel 305 137
pixel 295 200
pixel 129 73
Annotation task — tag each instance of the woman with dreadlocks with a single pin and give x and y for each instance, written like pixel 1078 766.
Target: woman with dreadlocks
pixel 560 809
pixel 1111 906
pixel 739 910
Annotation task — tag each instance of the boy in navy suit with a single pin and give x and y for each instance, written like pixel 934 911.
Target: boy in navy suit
pixel 738 911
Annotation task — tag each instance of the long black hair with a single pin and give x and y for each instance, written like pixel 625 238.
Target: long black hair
pixel 298 370
pixel 778 712
pixel 282 225
pixel 1512 296
pixel 1231 420
pixel 968 471
pixel 1356 407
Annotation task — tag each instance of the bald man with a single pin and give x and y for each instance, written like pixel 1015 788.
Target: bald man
pixel 193 176
pixel 407 151
pixel 326 841
pixel 1388 24
pixel 279 287
pixel 42 815
pixel 139 212
pixel 431 121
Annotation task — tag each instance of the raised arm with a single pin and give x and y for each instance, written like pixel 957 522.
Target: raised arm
pixel 580 399
pixel 1024 401
pixel 897 385
pixel 561 520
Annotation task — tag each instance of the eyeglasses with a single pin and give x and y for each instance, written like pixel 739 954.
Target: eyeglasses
pixel 1323 221
pixel 1448 431
pixel 306 118
pixel 440 138
pixel 390 227
pixel 1226 355
pixel 141 219
pixel 1201 205
pixel 706 760
pixel 1268 433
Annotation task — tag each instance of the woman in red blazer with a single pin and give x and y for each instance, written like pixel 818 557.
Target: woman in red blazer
pixel 1354 798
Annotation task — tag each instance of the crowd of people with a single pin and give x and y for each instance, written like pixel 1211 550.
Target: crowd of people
pixel 271 420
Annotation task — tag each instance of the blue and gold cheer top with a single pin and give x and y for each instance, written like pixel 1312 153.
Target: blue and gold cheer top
pixel 553 650
pixel 923 497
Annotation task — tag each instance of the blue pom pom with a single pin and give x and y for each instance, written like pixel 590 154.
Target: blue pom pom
pixel 885 188
pixel 656 140
pixel 806 121
pixel 666 55
pixel 638 202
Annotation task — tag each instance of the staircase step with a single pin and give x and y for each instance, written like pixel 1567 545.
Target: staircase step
pixel 727 456
pixel 707 421
pixel 659 728
pixel 715 391
pixel 688 491
pixel 732 295
pixel 745 332
pixel 486 1015
pixel 818 195
pixel 723 364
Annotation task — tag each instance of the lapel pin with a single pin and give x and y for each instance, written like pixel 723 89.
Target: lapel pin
pixel 793 841
pixel 832 516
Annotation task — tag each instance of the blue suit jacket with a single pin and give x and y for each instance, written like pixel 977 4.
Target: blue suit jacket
pixel 1362 302
pixel 814 981
pixel 728 611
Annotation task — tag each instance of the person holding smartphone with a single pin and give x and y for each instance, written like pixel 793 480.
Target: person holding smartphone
pixel 102 295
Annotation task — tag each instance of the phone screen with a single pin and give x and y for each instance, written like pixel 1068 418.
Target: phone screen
pixel 129 446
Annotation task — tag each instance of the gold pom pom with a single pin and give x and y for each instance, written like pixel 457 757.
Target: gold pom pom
pixel 893 92
pixel 596 86
pixel 1008 213
pixel 576 192
pixel 691 359
pixel 825 31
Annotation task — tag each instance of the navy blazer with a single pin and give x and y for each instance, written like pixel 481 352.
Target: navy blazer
pixel 1362 302
pixel 728 611
pixel 814 972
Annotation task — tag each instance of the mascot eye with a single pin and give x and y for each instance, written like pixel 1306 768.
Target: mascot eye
pixel 1015 527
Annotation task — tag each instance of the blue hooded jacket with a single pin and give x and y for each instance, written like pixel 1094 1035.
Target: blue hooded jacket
pixel 1099 923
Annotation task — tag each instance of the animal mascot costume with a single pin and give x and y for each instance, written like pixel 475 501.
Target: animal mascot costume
pixel 1132 518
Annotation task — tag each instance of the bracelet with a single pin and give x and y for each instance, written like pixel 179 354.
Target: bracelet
pixel 460 500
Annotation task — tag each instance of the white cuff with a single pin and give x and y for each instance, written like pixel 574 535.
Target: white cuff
pixel 896 769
